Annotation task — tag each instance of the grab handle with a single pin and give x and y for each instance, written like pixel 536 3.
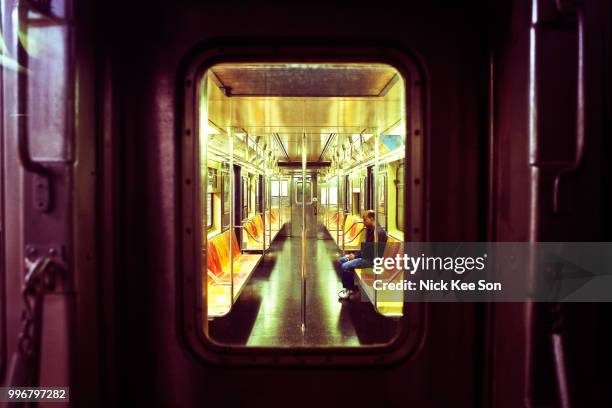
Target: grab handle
pixel 580 133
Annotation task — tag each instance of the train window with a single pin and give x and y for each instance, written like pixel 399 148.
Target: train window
pixel 210 212
pixel 276 188
pixel 381 209
pixel 399 194
pixel 348 194
pixel 333 195
pixel 225 199
pixel 44 34
pixel 212 180
pixel 245 197
pixel 362 196
pixel 284 188
pixel 257 195
pixel 308 132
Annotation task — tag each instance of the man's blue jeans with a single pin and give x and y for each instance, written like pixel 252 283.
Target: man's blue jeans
pixel 347 271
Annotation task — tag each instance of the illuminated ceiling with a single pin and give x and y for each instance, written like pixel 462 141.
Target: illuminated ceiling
pixel 304 80
pixel 286 101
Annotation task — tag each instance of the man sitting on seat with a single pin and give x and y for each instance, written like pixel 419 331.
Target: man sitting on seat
pixel 349 262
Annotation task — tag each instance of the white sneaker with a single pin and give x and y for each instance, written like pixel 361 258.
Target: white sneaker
pixel 345 294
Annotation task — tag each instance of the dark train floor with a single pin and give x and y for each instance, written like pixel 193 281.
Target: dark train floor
pixel 267 312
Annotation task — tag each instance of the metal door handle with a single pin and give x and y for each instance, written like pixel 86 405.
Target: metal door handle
pixel 580 134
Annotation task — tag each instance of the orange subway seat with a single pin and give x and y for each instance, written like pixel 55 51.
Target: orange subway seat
pixel 275 212
pixel 272 218
pixel 222 246
pixel 219 256
pixel 214 263
pixel 353 227
pixel 388 303
pixel 392 249
pixel 258 223
pixel 333 222
pixel 254 228
pixel 252 232
pixel 219 286
pixel 354 231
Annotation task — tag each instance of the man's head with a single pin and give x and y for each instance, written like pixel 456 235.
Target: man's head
pixel 368 218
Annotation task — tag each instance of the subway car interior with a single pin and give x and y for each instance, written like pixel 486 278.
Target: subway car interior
pixel 190 191
pixel 312 146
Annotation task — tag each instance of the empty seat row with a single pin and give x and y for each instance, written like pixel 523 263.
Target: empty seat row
pixel 256 233
pixel 219 272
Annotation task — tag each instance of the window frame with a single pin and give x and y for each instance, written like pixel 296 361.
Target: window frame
pixel 192 248
pixel 363 195
pixel 397 195
pixel 244 189
pixel 384 194
pixel 224 189
pixel 211 216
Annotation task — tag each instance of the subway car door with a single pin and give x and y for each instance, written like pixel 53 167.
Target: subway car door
pixel 49 180
pixel 159 344
pixel 303 209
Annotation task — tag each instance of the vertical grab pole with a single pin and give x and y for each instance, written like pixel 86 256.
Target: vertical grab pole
pixel 338 206
pixel 375 191
pixel 303 263
pixel 202 186
pixel 232 201
pixel 327 204
pixel 265 195
pixel 280 185
pixel 269 224
pixel 278 198
pixel 345 216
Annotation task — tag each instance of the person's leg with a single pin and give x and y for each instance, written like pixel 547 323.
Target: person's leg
pixel 342 260
pixel 348 270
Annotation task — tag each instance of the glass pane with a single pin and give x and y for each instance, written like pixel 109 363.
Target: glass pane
pixel 333 195
pixel 284 191
pixel 225 200
pixel 46 41
pixel 381 211
pixel 299 192
pixel 330 120
pixel 210 210
pixel 275 188
pixel 245 197
pixel 399 178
